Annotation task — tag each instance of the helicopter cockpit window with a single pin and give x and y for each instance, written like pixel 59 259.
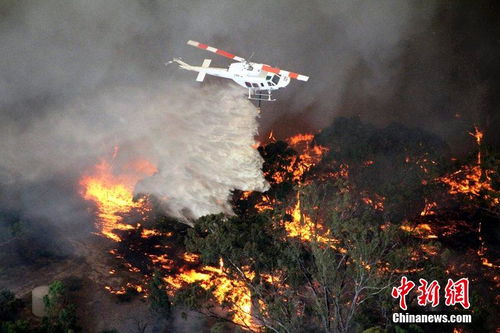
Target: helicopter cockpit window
pixel 269 77
pixel 256 85
pixel 248 84
pixel 276 79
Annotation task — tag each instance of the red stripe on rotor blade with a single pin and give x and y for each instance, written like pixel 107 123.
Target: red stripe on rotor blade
pixel 271 69
pixel 202 46
pixel 225 54
pixel 293 75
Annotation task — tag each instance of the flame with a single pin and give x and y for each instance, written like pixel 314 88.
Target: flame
pixel 309 155
pixel 422 230
pixel 113 194
pixel 123 290
pixel 377 202
pixel 190 257
pixel 471 180
pixel 304 228
pixel 225 289
pixel 271 137
pixel 266 203
pixel 428 209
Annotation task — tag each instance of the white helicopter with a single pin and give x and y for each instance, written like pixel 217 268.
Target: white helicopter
pixel 260 79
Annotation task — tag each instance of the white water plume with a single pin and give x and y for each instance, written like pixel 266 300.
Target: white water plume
pixel 200 139
pixel 204 151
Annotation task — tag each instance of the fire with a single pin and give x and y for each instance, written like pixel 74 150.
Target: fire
pixel 304 228
pixel 377 202
pixel 113 194
pixel 224 289
pixel 429 208
pixel 472 181
pixel 271 137
pixel 308 157
pixel 123 290
pixel 422 230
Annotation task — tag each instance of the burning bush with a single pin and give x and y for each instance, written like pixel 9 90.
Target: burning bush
pixel 348 210
pixel 301 283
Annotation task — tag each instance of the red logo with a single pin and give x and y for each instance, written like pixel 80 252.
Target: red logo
pixel 457 292
pixel 454 292
pixel 402 291
pixel 429 293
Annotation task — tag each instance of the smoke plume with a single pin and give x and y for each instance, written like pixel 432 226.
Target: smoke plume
pixel 200 139
pixel 79 77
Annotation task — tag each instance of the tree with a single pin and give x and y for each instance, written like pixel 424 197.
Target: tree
pixel 158 298
pixel 318 283
pixel 19 326
pixel 396 162
pixel 61 316
pixel 8 305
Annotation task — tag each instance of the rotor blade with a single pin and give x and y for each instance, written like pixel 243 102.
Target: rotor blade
pixel 214 50
pixel 292 75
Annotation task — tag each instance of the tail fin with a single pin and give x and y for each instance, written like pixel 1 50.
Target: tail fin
pixel 201 74
pixel 181 63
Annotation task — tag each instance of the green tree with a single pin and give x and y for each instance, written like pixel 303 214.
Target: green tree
pixel 19 326
pixel 158 298
pixel 314 284
pixel 61 314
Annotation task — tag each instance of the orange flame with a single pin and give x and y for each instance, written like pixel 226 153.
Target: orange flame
pixel 473 181
pixel 224 289
pixel 309 156
pixel 304 228
pixel 429 208
pixel 422 230
pixel 113 194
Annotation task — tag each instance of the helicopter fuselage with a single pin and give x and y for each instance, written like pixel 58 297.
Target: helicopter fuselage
pixel 250 76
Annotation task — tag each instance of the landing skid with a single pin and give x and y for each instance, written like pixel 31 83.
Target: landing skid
pixel 260 95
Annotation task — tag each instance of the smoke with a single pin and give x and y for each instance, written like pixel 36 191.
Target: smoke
pixel 200 138
pixel 79 77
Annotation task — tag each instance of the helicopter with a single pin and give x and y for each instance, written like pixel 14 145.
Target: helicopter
pixel 259 79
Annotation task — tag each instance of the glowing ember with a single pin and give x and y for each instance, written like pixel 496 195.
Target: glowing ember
pixel 481 252
pixel 428 209
pixel 129 286
pixel 422 230
pixel 265 203
pixel 377 202
pixel 473 181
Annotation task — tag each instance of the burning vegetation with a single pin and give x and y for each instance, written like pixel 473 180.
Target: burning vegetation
pixel 350 209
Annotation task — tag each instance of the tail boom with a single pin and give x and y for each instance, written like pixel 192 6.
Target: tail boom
pixel 203 70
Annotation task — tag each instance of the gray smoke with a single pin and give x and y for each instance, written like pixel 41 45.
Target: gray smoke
pixel 200 138
pixel 77 77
